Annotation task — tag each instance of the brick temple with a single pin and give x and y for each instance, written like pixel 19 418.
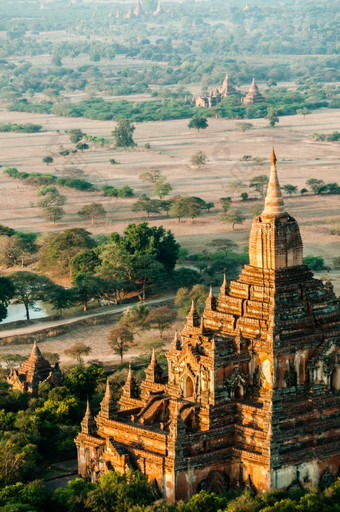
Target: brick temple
pixel 252 395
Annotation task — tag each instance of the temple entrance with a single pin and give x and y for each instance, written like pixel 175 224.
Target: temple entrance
pixel 335 379
pixel 188 388
pixel 239 392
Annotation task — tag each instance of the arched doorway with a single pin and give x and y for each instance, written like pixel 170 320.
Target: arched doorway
pixel 335 379
pixel 188 388
pixel 239 392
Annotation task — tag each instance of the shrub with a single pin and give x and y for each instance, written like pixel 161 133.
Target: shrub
pixel 314 262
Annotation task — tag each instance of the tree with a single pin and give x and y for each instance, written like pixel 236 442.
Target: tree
pixel 187 207
pixel 161 188
pixel 61 298
pixel 76 134
pixel 53 213
pixel 259 184
pixel 87 286
pixel 198 159
pixel 244 196
pixel 48 159
pixel 304 112
pixel 92 211
pixel 51 197
pixel 147 205
pixel 58 249
pixel 224 244
pixel 77 351
pixel 16 462
pixel 7 291
pixel 185 296
pixel 151 176
pixel 11 250
pixel 135 318
pixel 120 339
pixel 272 116
pixel 289 189
pixel 81 146
pixel 198 123
pixel 314 262
pixel 243 126
pixel 225 203
pixel 85 261
pixel 30 288
pixel 162 318
pixel 316 185
pixel 233 217
pixel 303 191
pixel 123 134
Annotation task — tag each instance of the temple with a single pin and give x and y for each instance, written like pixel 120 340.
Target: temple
pixel 252 393
pixel 253 96
pixel 227 89
pixel 33 371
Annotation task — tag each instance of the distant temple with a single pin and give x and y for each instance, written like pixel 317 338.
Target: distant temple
pixel 252 394
pixel 254 95
pixel 227 89
pixel 33 371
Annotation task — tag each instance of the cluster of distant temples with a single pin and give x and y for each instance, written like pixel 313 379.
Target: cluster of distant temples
pixel 228 89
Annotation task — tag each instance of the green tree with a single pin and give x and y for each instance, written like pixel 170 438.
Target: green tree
pixel 77 351
pixel 151 176
pixel 187 207
pixel 314 262
pixel 135 318
pixel 259 184
pixel 61 298
pixel 29 288
pixel 243 126
pixel 92 211
pixel 224 244
pixel 185 296
pixel 198 123
pixel 82 146
pixel 16 462
pixel 58 249
pixel 76 134
pixel 272 116
pixel 147 205
pixel 289 189
pixel 53 213
pixel 198 159
pixel 120 340
pixel 7 292
pixel 87 286
pixel 303 191
pixel 161 188
pixel 233 217
pixel 316 185
pixel 304 111
pixel 161 318
pixel 48 159
pixel 123 134
pixel 85 261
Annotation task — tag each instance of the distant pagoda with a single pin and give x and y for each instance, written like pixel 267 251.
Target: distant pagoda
pixel 254 95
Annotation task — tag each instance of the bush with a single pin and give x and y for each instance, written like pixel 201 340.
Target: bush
pixel 314 262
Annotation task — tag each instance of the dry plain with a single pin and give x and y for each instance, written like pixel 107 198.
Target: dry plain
pixel 172 145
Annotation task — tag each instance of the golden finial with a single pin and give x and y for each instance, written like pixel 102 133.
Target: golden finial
pixel 108 394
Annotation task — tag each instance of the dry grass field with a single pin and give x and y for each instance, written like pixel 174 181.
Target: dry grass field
pixel 172 145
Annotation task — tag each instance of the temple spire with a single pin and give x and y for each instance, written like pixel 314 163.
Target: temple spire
pixel 224 287
pixel 274 205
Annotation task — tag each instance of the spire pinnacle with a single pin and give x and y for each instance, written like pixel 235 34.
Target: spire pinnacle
pixel 274 206
pixel 224 287
pixel 108 394
pixel 153 357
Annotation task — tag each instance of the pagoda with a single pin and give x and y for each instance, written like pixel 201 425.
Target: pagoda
pixel 33 371
pixel 254 95
pixel 252 393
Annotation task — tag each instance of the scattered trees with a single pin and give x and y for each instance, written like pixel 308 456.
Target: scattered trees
pixel 147 205
pixel 199 159
pixel 123 134
pixel 259 184
pixel 233 217
pixel 289 189
pixel 29 288
pixel 48 159
pixel 92 211
pixel 198 123
pixel 77 351
pixel 162 318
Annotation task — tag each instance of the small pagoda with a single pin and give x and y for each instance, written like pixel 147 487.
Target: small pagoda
pixel 253 96
pixel 33 371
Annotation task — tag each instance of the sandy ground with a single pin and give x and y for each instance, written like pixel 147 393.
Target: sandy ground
pixel 172 143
